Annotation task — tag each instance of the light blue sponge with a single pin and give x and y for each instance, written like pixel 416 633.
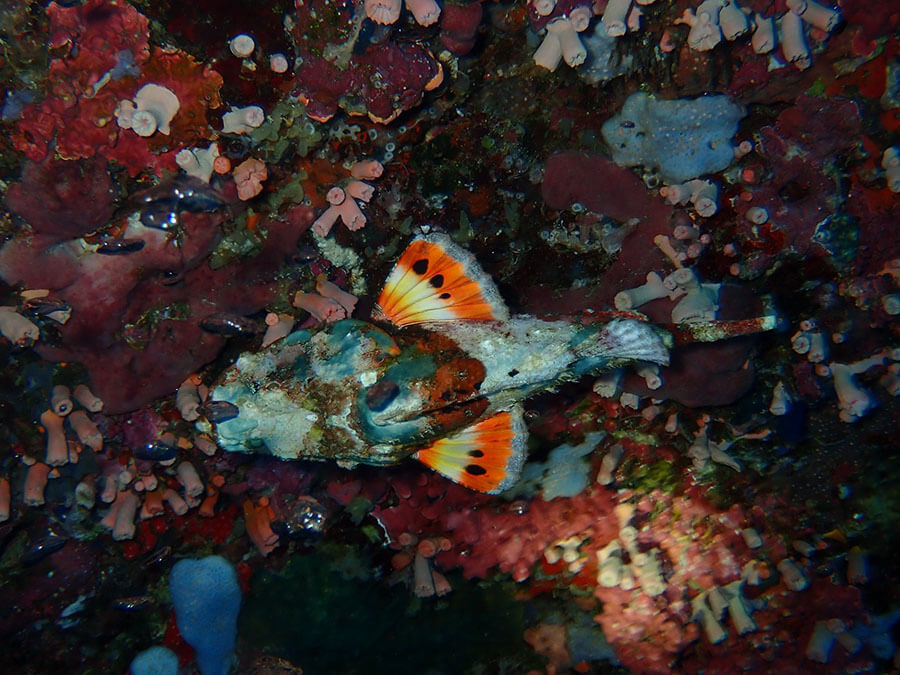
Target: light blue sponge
pixel 207 599
pixel 154 661
pixel 681 139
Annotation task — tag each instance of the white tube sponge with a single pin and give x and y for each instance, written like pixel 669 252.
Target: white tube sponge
pixel 793 41
pixel 573 52
pixel 816 15
pixel 649 573
pixel 549 54
pixel 791 575
pixel 733 21
pixel 738 609
pixel 853 400
pixel 609 463
pixel 704 197
pixel 702 613
pixel 543 7
pixel 890 162
pixel 641 295
pixel 87 398
pixel 609 559
pixel 86 430
pixel 187 399
pixel 705 31
pixel 821 641
pixel 781 400
pixel 198 162
pixel 765 34
pixel 615 16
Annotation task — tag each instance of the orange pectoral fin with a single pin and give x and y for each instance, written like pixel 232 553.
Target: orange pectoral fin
pixel 487 456
pixel 436 280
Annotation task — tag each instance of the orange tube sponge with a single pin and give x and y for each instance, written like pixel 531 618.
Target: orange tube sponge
pixel 258 520
pixel 35 482
pixel 87 399
pixel 4 500
pixel 123 528
pixel 87 432
pixel 320 307
pixel 57 448
pixel 334 292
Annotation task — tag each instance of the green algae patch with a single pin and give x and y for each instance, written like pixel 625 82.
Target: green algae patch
pixel 318 618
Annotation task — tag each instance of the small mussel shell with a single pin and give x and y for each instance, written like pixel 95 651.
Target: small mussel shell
pixel 42 545
pixel 220 411
pixel 133 603
pixel 195 196
pixel 229 325
pixel 160 215
pixel 46 305
pixel 120 246
pixel 157 451
pixel 157 556
pixel 304 518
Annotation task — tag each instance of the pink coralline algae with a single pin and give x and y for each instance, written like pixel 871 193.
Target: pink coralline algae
pixel 84 83
pixel 138 333
pixel 382 81
pixel 63 199
pixel 108 61
pixel 601 186
pixel 790 193
pixel 459 26
pixel 512 537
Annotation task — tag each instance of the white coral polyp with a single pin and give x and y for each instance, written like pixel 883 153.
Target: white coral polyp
pixel 153 108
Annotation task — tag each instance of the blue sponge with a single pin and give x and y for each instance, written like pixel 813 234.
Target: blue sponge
pixel 207 599
pixel 154 661
pixel 681 139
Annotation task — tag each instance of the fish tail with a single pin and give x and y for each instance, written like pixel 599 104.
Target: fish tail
pixel 621 341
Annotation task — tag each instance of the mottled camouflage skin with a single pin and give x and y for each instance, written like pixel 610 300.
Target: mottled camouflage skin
pixel 353 392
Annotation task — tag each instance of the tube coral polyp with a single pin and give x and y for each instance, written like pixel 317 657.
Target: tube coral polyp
pixel 153 108
pixel 243 120
pixel 342 207
pixel 278 326
pixel 425 12
pixel 249 176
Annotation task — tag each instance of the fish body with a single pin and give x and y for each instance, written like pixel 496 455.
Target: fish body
pixel 441 376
